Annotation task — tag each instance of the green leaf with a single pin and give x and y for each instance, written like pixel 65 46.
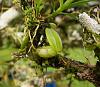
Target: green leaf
pixel 46 52
pixel 53 25
pixel 82 55
pixel 61 2
pixel 54 39
pixel 7 83
pixel 80 2
pixel 5 54
pixel 38 6
pixel 66 5
pixel 25 41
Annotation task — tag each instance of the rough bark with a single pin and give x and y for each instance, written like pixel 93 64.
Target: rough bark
pixel 82 71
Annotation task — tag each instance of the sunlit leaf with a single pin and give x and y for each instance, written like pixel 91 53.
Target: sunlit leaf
pixel 54 39
pixel 61 2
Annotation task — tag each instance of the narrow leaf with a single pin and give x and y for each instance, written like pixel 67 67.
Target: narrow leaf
pixel 80 3
pixel 61 2
pixel 25 41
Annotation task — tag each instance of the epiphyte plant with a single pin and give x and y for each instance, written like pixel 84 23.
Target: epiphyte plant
pixel 35 19
pixel 55 44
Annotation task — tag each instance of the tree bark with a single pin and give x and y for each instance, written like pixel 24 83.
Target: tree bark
pixel 82 71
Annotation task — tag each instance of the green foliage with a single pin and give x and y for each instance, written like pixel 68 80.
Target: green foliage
pixel 54 42
pixel 38 35
pixel 61 2
pixel 38 6
pixel 73 82
pixel 46 52
pixel 62 8
pixel 54 39
pixel 82 55
pixel 80 3
pixel 76 83
pixel 6 84
pixel 25 41
pixel 5 54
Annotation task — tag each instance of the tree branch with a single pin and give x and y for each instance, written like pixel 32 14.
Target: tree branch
pixel 82 71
